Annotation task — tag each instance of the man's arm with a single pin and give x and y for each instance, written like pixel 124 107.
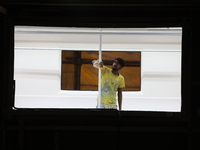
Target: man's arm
pixel 120 98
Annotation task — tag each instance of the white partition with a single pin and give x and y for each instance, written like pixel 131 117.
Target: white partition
pixel 38 74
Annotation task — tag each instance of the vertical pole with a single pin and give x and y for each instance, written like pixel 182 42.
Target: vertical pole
pixel 99 74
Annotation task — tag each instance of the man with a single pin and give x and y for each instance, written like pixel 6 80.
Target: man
pixel 112 82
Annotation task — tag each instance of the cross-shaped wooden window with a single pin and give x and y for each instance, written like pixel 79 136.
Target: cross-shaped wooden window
pixel 78 72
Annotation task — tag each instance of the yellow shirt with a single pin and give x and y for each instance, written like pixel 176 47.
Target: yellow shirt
pixel 109 86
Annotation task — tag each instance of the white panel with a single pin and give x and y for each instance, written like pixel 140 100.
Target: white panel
pixel 38 71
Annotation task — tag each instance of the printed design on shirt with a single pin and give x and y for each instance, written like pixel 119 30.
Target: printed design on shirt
pixel 108 91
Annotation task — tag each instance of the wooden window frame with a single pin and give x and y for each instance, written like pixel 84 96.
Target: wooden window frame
pixel 78 61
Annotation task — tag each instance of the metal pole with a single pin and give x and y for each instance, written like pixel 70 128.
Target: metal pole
pixel 99 74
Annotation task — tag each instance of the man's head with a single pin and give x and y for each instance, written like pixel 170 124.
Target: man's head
pixel 118 64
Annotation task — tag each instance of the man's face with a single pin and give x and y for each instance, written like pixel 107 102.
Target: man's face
pixel 116 65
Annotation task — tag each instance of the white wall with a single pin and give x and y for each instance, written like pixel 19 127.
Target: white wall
pixel 160 83
pixel 38 75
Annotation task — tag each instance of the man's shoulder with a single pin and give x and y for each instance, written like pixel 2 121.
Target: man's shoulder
pixel 121 76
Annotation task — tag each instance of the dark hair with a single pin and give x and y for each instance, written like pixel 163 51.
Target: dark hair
pixel 121 61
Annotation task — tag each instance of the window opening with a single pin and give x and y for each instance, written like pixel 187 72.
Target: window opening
pixel 79 74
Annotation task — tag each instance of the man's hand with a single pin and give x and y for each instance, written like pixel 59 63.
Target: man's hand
pixel 97 64
pixel 101 64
